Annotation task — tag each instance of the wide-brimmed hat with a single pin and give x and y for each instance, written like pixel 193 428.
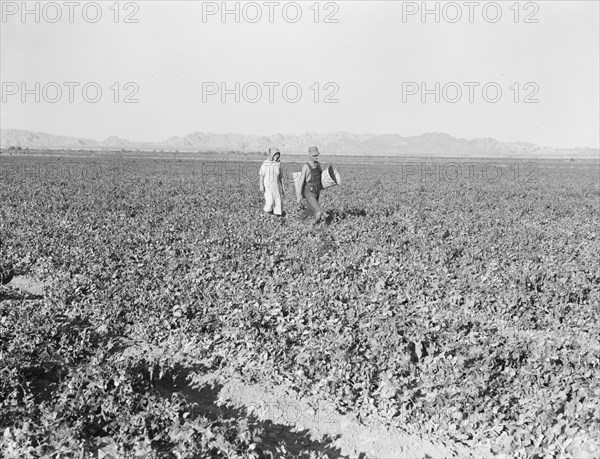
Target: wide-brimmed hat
pixel 313 152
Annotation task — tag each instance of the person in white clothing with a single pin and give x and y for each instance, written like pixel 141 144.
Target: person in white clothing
pixel 271 184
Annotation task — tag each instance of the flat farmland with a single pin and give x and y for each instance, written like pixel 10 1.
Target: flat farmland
pixel 453 299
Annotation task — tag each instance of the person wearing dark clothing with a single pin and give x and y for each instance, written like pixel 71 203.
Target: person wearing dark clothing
pixel 309 186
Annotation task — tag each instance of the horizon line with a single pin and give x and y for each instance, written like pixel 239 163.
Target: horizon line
pixel 304 133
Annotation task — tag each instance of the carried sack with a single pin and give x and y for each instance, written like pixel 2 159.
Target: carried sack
pixel 330 177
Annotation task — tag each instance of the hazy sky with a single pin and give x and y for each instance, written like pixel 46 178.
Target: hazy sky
pixel 376 59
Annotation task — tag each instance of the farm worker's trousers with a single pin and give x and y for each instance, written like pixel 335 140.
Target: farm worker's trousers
pixel 272 197
pixel 313 208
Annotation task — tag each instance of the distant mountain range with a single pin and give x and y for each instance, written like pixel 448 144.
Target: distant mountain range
pixel 339 143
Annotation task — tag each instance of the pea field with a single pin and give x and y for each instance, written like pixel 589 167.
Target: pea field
pixel 455 300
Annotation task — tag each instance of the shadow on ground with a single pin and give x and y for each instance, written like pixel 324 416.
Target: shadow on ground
pixel 296 443
pixel 340 215
pixel 8 294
